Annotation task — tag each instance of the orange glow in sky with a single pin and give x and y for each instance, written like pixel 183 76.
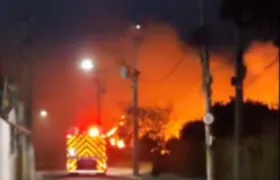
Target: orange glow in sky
pixel 69 94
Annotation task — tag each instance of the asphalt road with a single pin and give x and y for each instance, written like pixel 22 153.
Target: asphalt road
pixel 163 177
pixel 112 174
pixel 86 177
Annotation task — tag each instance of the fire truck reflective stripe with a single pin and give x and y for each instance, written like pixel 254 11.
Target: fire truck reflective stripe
pixel 84 143
pixel 71 165
pixel 87 147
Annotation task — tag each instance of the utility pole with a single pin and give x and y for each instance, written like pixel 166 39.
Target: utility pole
pixel 135 79
pixel 238 82
pixel 88 66
pixel 99 98
pixel 27 154
pixel 132 73
pixel 29 118
pixel 277 43
pixel 207 82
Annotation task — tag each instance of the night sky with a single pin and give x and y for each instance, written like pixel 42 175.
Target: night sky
pixel 70 20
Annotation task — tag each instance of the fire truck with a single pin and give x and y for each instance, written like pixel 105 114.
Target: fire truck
pixel 86 151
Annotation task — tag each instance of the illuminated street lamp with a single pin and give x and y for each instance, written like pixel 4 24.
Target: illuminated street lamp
pixel 87 64
pixel 138 26
pixel 43 114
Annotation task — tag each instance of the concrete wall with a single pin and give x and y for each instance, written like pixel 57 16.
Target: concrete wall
pixel 7 158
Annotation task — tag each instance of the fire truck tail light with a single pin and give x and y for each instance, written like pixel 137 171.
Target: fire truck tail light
pixel 69 136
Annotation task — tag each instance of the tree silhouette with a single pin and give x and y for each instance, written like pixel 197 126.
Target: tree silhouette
pixel 152 121
pixel 259 141
pixel 193 131
pixel 257 117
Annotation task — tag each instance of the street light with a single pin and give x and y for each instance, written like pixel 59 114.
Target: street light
pixel 43 113
pixel 87 64
pixel 138 26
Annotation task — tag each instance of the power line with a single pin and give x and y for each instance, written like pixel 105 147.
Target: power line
pixel 249 84
pixel 258 76
pixel 168 75
pixel 198 80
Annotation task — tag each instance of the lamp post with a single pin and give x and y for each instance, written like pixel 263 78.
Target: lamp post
pixel 88 65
